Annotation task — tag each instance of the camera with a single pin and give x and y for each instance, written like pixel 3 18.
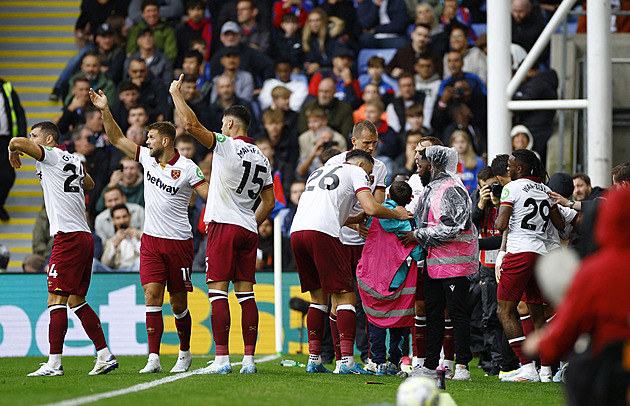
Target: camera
pixel 496 189
pixel 330 144
pixel 124 226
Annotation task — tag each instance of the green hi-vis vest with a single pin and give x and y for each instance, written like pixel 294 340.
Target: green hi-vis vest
pixel 8 90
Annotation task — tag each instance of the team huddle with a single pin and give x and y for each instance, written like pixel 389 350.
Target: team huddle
pixel 408 251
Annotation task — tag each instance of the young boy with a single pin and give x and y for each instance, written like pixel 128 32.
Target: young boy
pixel 390 275
pixel 375 71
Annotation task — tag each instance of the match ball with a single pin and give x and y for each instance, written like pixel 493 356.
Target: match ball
pixel 416 391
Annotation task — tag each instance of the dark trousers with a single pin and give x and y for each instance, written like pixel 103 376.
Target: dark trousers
pixel 378 337
pixel 492 328
pixel 7 173
pixel 451 294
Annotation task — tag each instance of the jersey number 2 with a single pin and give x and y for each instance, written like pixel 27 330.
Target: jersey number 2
pixel 67 185
pixel 535 210
pixel 256 179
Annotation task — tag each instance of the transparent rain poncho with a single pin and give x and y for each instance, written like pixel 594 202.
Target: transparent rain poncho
pixel 455 206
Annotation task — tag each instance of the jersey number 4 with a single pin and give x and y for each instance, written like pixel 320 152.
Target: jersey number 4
pixel 328 182
pixel 256 179
pixel 544 209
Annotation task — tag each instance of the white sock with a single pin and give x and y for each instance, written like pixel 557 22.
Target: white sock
pixel 449 364
pixel 154 357
pixel 248 359
pixel 348 360
pixel 184 354
pixel 104 354
pixel 54 361
pixel 222 359
pixel 315 359
pixel 529 368
pixel 545 370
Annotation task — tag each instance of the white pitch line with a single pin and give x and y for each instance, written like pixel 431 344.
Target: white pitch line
pixel 141 386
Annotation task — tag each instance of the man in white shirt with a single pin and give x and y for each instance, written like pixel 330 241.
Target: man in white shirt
pixel 166 252
pixel 240 174
pixel 103 225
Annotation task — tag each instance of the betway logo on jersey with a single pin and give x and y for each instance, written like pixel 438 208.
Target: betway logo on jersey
pixel 158 182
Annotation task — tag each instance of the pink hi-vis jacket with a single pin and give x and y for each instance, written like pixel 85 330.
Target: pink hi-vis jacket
pixel 375 271
pixel 456 257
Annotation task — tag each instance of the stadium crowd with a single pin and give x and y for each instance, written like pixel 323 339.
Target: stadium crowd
pixel 311 75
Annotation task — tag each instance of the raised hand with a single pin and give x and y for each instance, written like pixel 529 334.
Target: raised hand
pixel 176 85
pixel 98 100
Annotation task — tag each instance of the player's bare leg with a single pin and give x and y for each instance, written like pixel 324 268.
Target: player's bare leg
pixel 220 320
pixel 183 324
pixel 508 315
pixel 153 299
pixel 244 291
pixel 315 319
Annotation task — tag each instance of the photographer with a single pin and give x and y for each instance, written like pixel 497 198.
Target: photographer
pixel 122 251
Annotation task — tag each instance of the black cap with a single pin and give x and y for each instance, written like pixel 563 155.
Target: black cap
pixel 561 183
pixel 144 30
pixel 104 29
pixel 342 51
pixel 229 51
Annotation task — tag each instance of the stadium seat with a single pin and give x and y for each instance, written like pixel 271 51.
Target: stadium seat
pixel 365 54
pixel 479 29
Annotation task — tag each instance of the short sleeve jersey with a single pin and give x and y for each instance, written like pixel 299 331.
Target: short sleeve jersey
pixel 554 236
pixel 61 175
pixel 530 219
pixel 378 180
pixel 329 197
pixel 240 172
pixel 167 192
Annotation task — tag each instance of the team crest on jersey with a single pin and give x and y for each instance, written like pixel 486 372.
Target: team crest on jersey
pixel 176 173
pixel 220 137
pixel 200 174
pixel 505 193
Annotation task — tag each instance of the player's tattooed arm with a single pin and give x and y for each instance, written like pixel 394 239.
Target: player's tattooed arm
pixel 114 133
pixel 188 118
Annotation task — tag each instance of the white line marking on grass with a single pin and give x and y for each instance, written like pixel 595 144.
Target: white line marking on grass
pixel 141 386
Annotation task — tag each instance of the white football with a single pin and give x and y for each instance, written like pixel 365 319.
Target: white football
pixel 416 391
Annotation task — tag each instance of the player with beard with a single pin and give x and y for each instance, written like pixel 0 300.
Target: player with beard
pixel 166 250
pixel 526 210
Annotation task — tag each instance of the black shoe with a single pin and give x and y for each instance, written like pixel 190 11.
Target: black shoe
pixel 4 216
pixel 494 371
pixel 55 95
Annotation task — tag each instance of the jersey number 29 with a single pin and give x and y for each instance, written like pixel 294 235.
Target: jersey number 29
pixel 544 209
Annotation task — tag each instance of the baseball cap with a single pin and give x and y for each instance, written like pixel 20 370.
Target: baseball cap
pixel 144 30
pixel 561 183
pixel 230 26
pixel 5 255
pixel 342 51
pixel 104 29
pixel 229 51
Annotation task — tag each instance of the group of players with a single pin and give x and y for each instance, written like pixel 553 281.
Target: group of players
pixel 327 238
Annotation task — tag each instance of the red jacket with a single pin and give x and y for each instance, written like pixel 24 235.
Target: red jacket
pixel 597 300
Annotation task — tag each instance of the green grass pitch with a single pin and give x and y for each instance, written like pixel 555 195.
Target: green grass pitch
pixel 272 385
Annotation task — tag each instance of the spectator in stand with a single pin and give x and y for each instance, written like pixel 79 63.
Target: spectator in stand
pixel 370 92
pixel 384 23
pixel 308 140
pixel 195 100
pixel 128 96
pixel 307 164
pixel 455 15
pixel 280 100
pixel 153 92
pixel 425 14
pixel 474 59
pixel 72 112
pixel 527 25
pixel 264 251
pixel 243 80
pixel 170 10
pixel 122 251
pixel 165 39
pixel 284 142
pixel 343 11
pixel 427 82
pixel 159 65
pixel 346 86
pixel 375 71
pixel 197 25
pixel 317 45
pixel 405 163
pixel 296 190
pixel 298 89
pixel 129 179
pixel 255 35
pixel 288 42
pixel 405 59
pixel 538 85
pixel 455 65
pixel 396 114
pixel 414 119
pixel 226 97
pixel 468 163
pixel 112 197
pixel 91 70
pixel 522 138
pixel 110 54
pixel 388 146
pixel 301 8
pixel 339 113
pixel 93 14
pixel 255 62
pixel 582 189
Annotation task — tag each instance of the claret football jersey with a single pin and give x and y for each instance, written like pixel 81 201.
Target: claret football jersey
pixel 328 198
pixel 167 191
pixel 240 172
pixel 61 175
pixel 530 219
pixel 378 179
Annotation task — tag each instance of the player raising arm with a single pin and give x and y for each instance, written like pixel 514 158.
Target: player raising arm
pixel 240 175
pixel 70 267
pixel 166 248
